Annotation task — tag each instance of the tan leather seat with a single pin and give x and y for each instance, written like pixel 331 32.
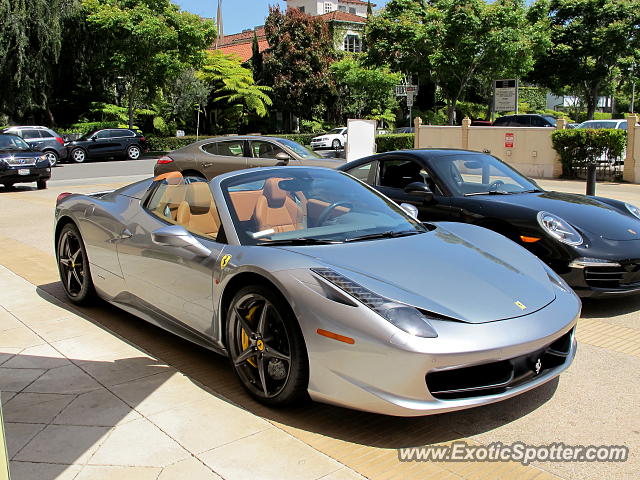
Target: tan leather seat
pixel 276 209
pixel 198 212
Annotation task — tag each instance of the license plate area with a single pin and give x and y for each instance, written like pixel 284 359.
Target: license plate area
pixel 24 171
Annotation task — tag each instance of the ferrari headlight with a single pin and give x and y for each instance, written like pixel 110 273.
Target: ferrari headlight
pixel 405 317
pixel 635 211
pixel 559 229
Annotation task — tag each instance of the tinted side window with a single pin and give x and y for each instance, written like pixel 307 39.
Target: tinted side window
pixel 539 122
pixel 362 172
pixel 30 134
pixel 501 121
pixel 623 125
pixel 400 173
pixel 523 121
pixel 261 149
pixel 46 134
pixel 103 134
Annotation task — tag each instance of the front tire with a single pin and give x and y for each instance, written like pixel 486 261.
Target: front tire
pixel 41 184
pixel 266 347
pixel 78 155
pixel 336 144
pixel 133 152
pixel 52 157
pixel 73 266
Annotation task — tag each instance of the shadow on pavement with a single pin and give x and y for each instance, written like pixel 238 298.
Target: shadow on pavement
pixel 214 372
pixel 610 307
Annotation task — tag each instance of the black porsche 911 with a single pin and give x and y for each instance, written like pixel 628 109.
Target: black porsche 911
pixel 592 242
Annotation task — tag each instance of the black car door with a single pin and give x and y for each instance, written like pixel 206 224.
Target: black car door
pixel 391 174
pixel 100 144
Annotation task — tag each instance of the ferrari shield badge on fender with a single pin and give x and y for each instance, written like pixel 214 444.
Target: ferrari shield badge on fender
pixel 225 261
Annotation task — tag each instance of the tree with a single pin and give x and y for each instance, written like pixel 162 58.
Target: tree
pixel 149 41
pixel 31 36
pixel 296 65
pixel 234 88
pixel 256 59
pixel 589 39
pixel 365 93
pixel 455 41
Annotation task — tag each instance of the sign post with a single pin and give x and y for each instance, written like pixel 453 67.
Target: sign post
pixel 505 95
pixel 409 91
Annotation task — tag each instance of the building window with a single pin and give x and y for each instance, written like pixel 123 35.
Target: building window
pixel 352 10
pixel 342 8
pixel 301 9
pixel 352 43
pixel 328 7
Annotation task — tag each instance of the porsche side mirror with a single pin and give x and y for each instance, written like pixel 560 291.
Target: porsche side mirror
pixel 421 190
pixel 283 159
pixel 410 210
pixel 93 139
pixel 177 236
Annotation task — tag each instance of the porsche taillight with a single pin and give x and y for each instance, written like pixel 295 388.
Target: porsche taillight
pixel 164 160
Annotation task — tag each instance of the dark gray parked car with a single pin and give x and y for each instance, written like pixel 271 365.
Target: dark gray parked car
pixel 42 139
pixel 215 156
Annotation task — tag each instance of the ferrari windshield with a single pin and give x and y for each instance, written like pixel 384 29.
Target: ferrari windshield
pixel 480 174
pixel 310 206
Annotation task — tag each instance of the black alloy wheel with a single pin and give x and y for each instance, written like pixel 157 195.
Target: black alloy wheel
pixel 73 265
pixel 266 347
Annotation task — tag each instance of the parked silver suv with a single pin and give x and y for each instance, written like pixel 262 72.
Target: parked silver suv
pixel 42 139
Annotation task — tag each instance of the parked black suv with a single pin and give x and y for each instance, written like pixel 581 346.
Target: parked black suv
pixel 43 139
pixel 107 143
pixel 526 120
pixel 19 163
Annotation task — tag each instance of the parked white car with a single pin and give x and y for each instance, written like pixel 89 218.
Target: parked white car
pixel 335 139
pixel 619 123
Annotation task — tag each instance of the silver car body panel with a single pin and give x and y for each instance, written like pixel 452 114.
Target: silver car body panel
pixel 472 275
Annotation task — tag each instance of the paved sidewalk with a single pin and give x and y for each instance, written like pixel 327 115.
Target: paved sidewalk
pixel 81 403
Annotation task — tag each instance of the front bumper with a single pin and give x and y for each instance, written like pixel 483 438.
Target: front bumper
pixel 605 281
pixel 12 174
pixel 388 371
pixel 321 144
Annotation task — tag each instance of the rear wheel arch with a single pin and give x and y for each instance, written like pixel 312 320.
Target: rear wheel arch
pixel 64 220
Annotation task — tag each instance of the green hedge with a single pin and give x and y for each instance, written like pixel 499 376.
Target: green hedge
pixel 394 141
pixel 386 143
pixel 578 147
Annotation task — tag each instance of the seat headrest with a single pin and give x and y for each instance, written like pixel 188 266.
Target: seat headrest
pixel 273 193
pixel 199 197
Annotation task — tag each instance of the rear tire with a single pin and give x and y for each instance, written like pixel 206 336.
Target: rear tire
pixel 266 347
pixel 134 152
pixel 336 144
pixel 41 184
pixel 73 266
pixel 78 155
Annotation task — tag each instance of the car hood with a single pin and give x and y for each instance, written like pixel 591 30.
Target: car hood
pixel 583 212
pixel 460 271
pixel 4 153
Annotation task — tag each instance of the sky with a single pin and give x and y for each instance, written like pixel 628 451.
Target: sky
pixel 238 15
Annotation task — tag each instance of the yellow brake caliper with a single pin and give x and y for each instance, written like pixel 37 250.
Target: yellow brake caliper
pixel 245 338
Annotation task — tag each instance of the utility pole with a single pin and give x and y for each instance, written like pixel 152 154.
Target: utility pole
pixel 219 26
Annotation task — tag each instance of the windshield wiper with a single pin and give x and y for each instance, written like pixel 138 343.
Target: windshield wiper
pixel 533 190
pixel 298 241
pixel 388 234
pixel 494 192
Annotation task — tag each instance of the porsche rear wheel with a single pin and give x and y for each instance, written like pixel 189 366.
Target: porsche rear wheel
pixel 266 347
pixel 73 266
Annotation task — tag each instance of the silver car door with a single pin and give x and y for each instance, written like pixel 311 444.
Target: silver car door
pixel 166 279
pixel 222 156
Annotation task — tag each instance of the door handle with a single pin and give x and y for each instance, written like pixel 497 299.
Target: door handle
pixel 207 165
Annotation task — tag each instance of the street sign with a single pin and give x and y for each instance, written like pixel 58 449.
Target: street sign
pixel 403 90
pixel 505 95
pixel 509 140
pixel 409 99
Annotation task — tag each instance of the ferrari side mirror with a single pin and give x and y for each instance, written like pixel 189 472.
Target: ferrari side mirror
pixel 178 236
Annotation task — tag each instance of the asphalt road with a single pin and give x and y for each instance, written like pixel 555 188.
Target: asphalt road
pixel 595 402
pixel 102 170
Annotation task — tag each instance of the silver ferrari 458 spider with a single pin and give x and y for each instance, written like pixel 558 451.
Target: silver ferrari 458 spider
pixel 314 284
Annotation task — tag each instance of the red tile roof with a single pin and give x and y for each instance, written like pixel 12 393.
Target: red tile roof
pixel 357 2
pixel 246 36
pixel 339 16
pixel 244 50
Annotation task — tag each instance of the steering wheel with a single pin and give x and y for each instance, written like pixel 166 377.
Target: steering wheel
pixel 493 186
pixel 328 209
